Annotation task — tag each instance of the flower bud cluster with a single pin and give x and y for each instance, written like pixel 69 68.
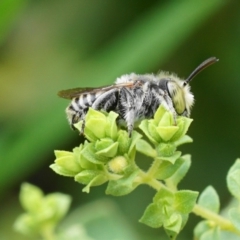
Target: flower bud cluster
pixel 108 154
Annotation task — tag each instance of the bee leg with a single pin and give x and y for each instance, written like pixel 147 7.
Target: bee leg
pixel 127 108
pixel 107 101
pixel 82 128
pixel 82 118
pixel 76 117
pixel 164 99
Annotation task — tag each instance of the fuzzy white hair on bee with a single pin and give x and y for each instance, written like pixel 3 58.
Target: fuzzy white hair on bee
pixel 178 89
pixel 135 97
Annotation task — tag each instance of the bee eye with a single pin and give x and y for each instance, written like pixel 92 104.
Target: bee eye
pixel 177 96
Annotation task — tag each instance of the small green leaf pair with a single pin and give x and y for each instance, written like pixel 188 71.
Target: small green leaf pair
pixel 170 210
pixel 209 200
pixel 43 213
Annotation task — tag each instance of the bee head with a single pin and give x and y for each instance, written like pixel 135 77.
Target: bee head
pixel 179 91
pixel 181 96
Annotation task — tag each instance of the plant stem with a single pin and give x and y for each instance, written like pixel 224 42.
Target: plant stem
pixel 144 178
pixel 222 222
pixel 155 166
pixel 48 233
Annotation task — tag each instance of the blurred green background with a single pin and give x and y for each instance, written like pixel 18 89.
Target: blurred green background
pixel 47 46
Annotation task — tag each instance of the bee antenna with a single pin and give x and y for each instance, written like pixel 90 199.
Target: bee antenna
pixel 202 66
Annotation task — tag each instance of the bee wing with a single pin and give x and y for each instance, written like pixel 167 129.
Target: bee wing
pixel 76 92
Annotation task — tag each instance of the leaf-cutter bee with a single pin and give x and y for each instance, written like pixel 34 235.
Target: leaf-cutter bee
pixel 135 97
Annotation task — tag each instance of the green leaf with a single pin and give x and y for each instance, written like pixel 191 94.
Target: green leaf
pixel 124 142
pixel 61 171
pixel 152 129
pixel 145 148
pixel 43 212
pixel 173 225
pixel 75 231
pixel 167 169
pixel 164 195
pixel 153 216
pixel 233 179
pixel 97 127
pixel 201 228
pixel 131 155
pixel 95 114
pixel 144 127
pixel 181 172
pixel 88 153
pixel 134 139
pixel 184 139
pixel 234 215
pixel 31 197
pixel 103 143
pixel 96 181
pixel 171 158
pixel 60 153
pixel 122 186
pixel 166 149
pixel 166 132
pixel 209 199
pixel 111 127
pixel 110 151
pixel 205 230
pixel 183 123
pixel 87 132
pixel 59 204
pixel 95 177
pixel 212 234
pixel 166 119
pixel 185 200
pixel 24 224
pixel 69 163
pixel 159 114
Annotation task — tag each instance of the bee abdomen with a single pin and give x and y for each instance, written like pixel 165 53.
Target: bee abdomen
pixel 84 101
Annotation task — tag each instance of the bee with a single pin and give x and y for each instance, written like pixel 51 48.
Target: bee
pixel 134 97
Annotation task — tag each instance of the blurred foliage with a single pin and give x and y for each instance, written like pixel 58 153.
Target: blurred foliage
pixel 47 46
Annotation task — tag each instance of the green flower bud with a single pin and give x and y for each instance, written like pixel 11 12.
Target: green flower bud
pixel 96 122
pixel 166 149
pixel 66 163
pixel 163 129
pixel 69 163
pixel 99 125
pixel 118 164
